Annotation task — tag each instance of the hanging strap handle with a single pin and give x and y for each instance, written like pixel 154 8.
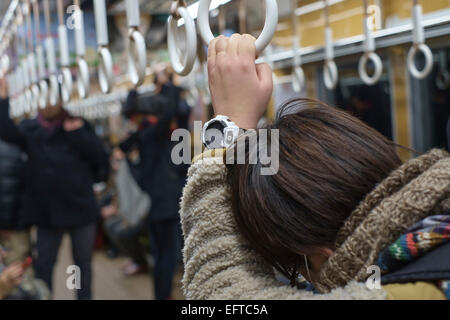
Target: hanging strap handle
pixel 181 66
pixel 298 82
pixel 369 48
pixel 137 52
pixel 419 45
pixel 263 40
pixel 330 70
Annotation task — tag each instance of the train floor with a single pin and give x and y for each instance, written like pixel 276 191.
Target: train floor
pixel 108 281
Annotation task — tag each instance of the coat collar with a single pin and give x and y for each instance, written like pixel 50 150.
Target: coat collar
pixel 417 189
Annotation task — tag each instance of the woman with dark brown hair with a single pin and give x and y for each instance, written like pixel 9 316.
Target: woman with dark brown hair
pixel 339 209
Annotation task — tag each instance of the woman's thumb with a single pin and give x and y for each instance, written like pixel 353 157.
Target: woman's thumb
pixel 265 75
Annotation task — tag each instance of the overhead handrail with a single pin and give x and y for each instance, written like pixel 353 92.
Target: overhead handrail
pixel 43 86
pixel 137 52
pixel 105 66
pixel 80 46
pixel 51 58
pixel 34 87
pixel 419 45
pixel 369 48
pixel 67 83
pixel 330 69
pixel 299 80
pixel 263 40
pixel 181 66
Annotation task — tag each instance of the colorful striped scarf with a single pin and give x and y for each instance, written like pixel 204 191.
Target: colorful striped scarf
pixel 420 239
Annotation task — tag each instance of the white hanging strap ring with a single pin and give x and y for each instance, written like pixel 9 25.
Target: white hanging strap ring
pixel 83 78
pixel 182 67
pixel 67 84
pixel 298 76
pixel 362 68
pixel 137 52
pixel 43 86
pixel 40 56
pixel 105 68
pixel 26 84
pixel 53 80
pixel 299 81
pixel 263 40
pixel 31 60
pixel 330 74
pixel 330 70
pixel 419 46
pixel 369 54
pixel 53 87
pixel 83 69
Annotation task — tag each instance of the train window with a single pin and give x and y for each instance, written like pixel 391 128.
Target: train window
pixel 371 104
pixel 430 105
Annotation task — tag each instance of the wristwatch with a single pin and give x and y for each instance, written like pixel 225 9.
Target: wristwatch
pixel 219 132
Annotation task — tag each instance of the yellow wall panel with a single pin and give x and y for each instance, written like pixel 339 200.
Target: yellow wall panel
pixel 402 9
pixel 346 19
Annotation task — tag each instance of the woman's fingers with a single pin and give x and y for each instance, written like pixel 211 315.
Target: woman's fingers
pixel 221 45
pixel 265 76
pixel 212 54
pixel 247 46
pixel 233 45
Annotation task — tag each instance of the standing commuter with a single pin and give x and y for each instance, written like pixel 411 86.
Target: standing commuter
pixel 161 179
pixel 65 159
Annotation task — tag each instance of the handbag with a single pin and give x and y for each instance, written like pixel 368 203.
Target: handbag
pixel 134 204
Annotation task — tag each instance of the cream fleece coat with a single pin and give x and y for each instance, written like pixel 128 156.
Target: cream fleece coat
pixel 219 263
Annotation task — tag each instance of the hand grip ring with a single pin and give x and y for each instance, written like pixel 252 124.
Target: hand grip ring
pixel 419 46
pixel 263 40
pixel 185 67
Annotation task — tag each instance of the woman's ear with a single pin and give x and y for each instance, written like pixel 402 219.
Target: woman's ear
pixel 327 252
pixel 319 258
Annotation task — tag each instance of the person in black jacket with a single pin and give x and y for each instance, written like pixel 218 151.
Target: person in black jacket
pixel 11 185
pixel 65 159
pixel 161 179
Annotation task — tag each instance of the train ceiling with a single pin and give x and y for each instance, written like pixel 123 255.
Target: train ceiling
pixel 254 15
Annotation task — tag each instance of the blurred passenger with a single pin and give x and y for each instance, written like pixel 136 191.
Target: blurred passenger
pixel 65 159
pixel 161 179
pixel 125 210
pixel 10 276
pixel 17 281
pixel 12 164
pixel 366 105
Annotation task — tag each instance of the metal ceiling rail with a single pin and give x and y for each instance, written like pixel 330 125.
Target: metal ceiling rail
pixel 434 27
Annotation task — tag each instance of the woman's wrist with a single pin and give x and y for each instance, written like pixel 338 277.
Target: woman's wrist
pixel 243 122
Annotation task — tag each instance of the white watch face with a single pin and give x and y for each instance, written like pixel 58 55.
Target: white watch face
pixel 229 137
pixel 213 138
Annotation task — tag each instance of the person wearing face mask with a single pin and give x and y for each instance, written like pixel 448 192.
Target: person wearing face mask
pixel 65 159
